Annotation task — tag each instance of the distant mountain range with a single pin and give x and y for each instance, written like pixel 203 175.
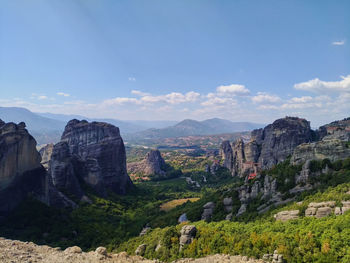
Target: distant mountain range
pixel 48 127
pixel 192 127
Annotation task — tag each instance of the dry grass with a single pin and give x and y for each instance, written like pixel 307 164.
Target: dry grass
pixel 174 203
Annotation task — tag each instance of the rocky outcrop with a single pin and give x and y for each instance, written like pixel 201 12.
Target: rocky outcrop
pixel 182 218
pixel 267 146
pixel 100 148
pixel 227 154
pixel 332 149
pixel 208 210
pixel 227 204
pixel 46 153
pixel 280 138
pixel 65 170
pixel 321 209
pixel 21 174
pixel 335 130
pixel 153 164
pixel 273 258
pixel 188 233
pixel 287 215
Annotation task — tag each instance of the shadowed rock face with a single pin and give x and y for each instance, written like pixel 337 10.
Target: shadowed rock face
pixel 64 170
pixel 21 173
pixel 101 148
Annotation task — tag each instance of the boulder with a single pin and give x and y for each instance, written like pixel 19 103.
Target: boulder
pixel 101 251
pixel 323 211
pixel 242 210
pixel 182 218
pixel 141 249
pixel 73 250
pixel 208 211
pixel 188 233
pixel 228 204
pixel 287 215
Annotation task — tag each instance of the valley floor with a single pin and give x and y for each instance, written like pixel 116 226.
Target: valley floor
pixel 14 251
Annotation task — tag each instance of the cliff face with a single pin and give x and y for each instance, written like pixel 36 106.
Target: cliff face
pixel 153 164
pixel 17 152
pixel 334 144
pixel 99 153
pixel 267 146
pixel 280 138
pixel 21 173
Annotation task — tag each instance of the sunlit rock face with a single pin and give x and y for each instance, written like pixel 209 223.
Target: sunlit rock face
pixel 21 173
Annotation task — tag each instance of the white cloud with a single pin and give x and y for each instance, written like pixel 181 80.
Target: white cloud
pixel 139 93
pixel 263 97
pixel 319 86
pixel 132 79
pixel 172 98
pixel 338 43
pixel 219 101
pixel 120 101
pixel 234 89
pixel 42 97
pixel 63 94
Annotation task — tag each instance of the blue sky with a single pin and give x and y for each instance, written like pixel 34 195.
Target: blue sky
pixel 239 60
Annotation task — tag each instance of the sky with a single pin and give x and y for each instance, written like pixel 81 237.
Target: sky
pixel 172 60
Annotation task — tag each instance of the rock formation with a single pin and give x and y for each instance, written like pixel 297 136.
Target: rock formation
pixel 267 146
pixel 21 174
pixel 208 210
pixel 188 233
pixel 332 149
pixel 287 215
pixel 65 170
pixel 93 152
pixel 46 153
pixel 153 164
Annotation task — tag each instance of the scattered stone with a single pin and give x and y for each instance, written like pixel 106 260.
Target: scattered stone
pixel 140 250
pixel 182 218
pixel 242 210
pixel 287 215
pixel 208 211
pixel 145 230
pixel 188 233
pixel 101 251
pixel 228 204
pixel 74 249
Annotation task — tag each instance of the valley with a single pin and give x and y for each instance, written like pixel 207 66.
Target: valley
pixel 236 207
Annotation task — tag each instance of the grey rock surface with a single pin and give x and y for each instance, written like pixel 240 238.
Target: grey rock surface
pixel 101 147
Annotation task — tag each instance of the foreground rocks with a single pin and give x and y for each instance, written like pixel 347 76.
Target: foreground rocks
pixel 23 252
